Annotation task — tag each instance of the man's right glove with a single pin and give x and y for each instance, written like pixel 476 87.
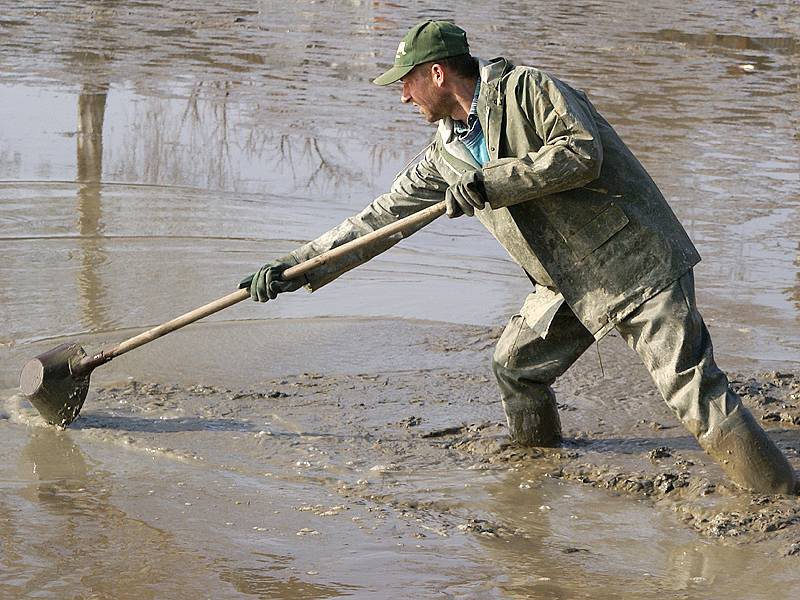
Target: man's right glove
pixel 467 194
pixel 266 283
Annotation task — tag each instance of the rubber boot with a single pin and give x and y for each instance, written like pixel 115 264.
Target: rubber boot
pixel 748 456
pixel 533 421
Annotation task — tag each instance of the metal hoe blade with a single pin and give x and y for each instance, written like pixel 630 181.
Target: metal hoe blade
pixel 50 382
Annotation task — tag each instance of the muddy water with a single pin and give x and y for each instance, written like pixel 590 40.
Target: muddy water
pixel 151 156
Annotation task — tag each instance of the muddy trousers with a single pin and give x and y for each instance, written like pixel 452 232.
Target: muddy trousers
pixel 672 341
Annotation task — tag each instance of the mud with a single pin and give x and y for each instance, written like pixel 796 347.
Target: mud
pixel 351 442
pixel 361 435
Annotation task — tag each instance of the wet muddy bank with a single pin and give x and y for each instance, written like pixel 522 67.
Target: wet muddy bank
pixel 374 439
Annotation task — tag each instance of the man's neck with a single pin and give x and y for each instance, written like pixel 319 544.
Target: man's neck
pixel 463 92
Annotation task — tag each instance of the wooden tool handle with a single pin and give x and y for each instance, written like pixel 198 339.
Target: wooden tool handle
pixel 420 218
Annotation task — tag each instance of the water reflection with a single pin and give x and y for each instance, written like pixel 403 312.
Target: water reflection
pixel 212 141
pixel 82 541
pixel 89 160
pixel 91 115
pixel 60 476
pixel 79 529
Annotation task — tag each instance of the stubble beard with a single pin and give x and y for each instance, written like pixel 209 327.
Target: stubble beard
pixel 435 112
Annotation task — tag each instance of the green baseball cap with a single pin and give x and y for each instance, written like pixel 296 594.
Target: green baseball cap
pixel 426 41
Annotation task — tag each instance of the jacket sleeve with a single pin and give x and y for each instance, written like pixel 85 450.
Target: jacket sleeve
pixel 418 186
pixel 571 153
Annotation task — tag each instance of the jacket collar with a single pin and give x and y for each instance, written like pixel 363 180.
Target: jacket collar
pixel 491 72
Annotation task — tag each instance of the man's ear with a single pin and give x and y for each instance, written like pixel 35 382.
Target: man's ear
pixel 438 74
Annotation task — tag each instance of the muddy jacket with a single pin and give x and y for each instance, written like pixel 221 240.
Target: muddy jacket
pixel 566 198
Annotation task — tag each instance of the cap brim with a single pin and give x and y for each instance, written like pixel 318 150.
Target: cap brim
pixel 392 75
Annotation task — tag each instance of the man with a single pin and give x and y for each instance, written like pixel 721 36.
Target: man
pixel 535 162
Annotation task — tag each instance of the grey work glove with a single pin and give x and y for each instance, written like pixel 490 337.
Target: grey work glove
pixel 266 283
pixel 467 194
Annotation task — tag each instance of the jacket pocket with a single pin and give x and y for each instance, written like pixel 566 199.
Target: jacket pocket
pixel 597 231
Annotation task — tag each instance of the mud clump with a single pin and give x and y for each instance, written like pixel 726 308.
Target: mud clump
pixel 660 452
pixel 774 396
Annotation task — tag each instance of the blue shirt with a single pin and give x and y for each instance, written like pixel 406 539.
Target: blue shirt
pixel 471 133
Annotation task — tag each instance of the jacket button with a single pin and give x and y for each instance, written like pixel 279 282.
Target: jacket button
pixel 492 149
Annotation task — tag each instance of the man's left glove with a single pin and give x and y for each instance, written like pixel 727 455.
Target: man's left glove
pixel 266 283
pixel 467 194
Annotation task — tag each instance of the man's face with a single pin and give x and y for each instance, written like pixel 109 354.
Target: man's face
pixel 421 89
